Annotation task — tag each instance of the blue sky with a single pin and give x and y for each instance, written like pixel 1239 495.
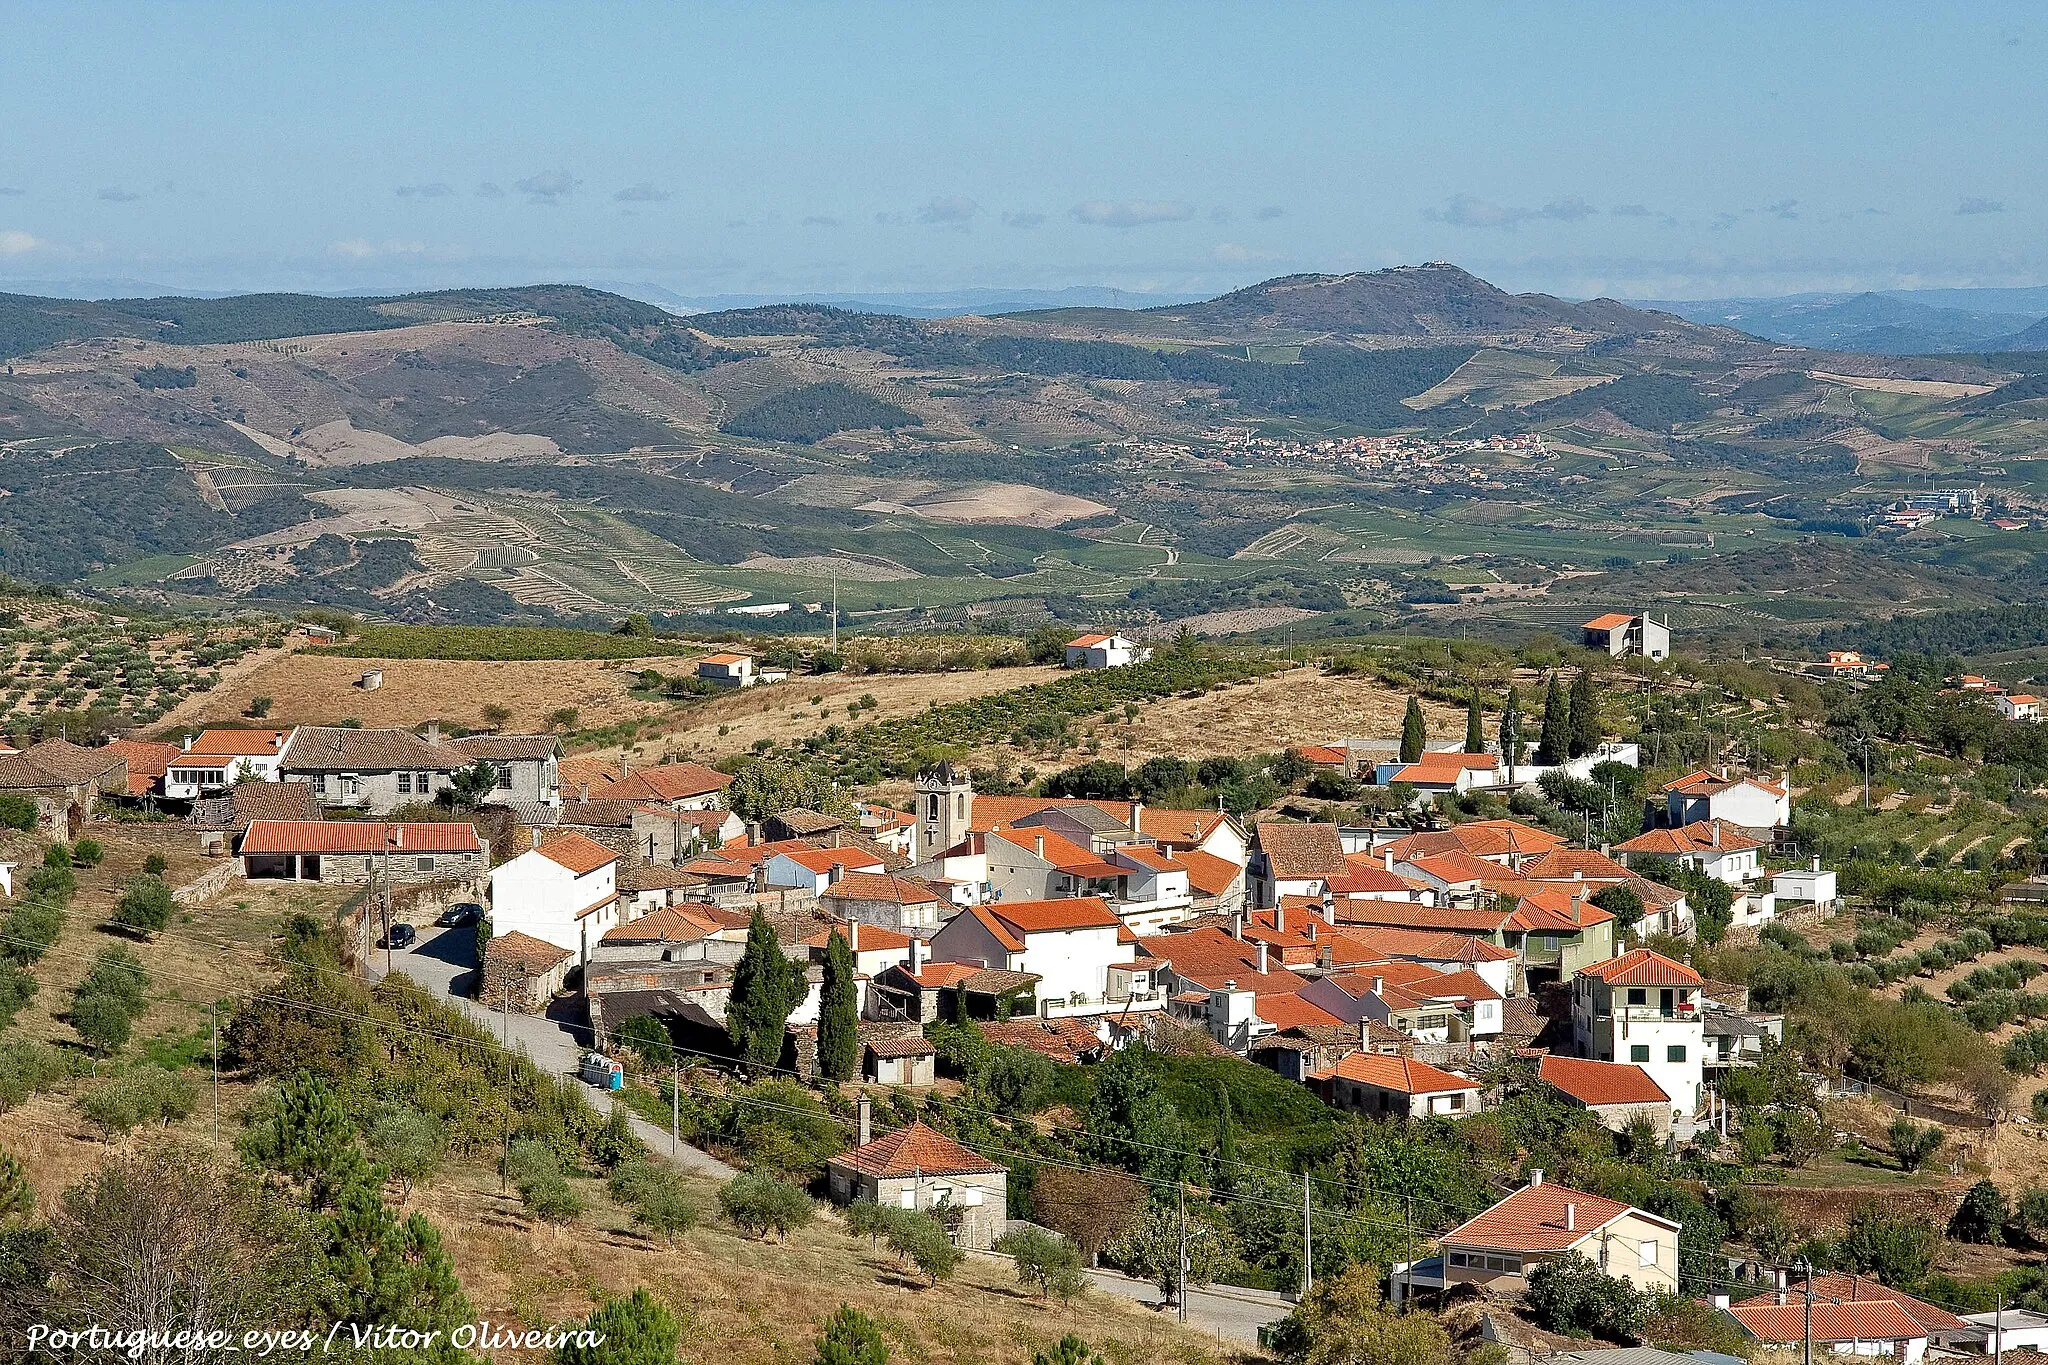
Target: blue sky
pixel 1628 149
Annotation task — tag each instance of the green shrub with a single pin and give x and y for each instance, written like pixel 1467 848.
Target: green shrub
pixel 760 1204
pixel 17 812
pixel 145 906
pixel 87 853
pixel 147 1094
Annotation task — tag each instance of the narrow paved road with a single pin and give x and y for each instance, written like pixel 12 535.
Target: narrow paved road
pixel 1222 1310
pixel 444 961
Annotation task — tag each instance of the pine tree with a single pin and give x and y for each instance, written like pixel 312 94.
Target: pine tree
pixel 766 986
pixel 1414 732
pixel 1226 1138
pixel 1511 731
pixel 312 1139
pixel 838 1052
pixel 1475 736
pixel 851 1338
pixel 1584 736
pixel 385 1270
pixel 635 1330
pixel 1555 737
pixel 17 1197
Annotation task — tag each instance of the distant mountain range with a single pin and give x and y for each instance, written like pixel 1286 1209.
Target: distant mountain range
pixel 1892 322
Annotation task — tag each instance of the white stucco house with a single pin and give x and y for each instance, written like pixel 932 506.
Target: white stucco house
pixel 1069 944
pixel 565 892
pixel 1105 651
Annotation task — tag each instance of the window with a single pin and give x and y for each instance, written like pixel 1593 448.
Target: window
pixel 1457 1258
pixel 1639 1052
pixel 1675 1053
pixel 424 782
pixel 426 864
pixel 1455 1103
pixel 1638 996
pixel 504 779
pixel 1646 1253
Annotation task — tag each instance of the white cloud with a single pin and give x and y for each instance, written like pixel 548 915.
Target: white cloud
pixel 1469 210
pixel 362 249
pixel 1974 205
pixel 642 193
pixel 1132 212
pixel 950 209
pixel 17 243
pixel 1233 253
pixel 548 187
pixel 432 190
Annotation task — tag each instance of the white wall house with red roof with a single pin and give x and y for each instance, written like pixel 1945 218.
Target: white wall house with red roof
pixel 218 758
pixel 727 670
pixel 2024 706
pixel 815 869
pixel 1069 943
pixel 1644 1008
pixel 1105 651
pixel 1754 803
pixel 565 892
pixel 1544 1222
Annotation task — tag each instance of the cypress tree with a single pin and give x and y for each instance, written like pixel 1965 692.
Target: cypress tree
pixel 1226 1138
pixel 766 986
pixel 1414 732
pixel 1585 717
pixel 1511 731
pixel 1553 740
pixel 838 1055
pixel 1475 737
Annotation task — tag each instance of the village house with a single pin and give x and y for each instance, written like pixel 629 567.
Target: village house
pixel 1620 636
pixel 1753 804
pixel 64 780
pixel 1715 847
pixel 1866 1327
pixel 892 904
pixel 678 786
pixel 1616 1094
pixel 1105 651
pixel 1561 930
pixel 899 1061
pixel 354 851
pixel 1644 1008
pixel 1442 773
pixel 1295 860
pixel 522 973
pixel 1383 1087
pixel 2023 706
pixel 1152 889
pixel 1068 943
pixel 373 771
pixel 890 828
pixel 565 892
pixel 1033 864
pixel 1413 998
pixel 149 764
pixel 1808 885
pixel 813 870
pixel 921 1168
pixel 930 992
pixel 1931 1325
pixel 217 758
pixel 727 670
pixel 528 767
pixel 676 934
pixel 1542 1222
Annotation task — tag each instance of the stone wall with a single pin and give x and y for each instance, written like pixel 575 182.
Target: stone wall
pixel 1825 1212
pixel 206 887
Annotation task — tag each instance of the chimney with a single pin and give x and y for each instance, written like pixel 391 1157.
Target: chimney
pixel 1606 849
pixel 1138 817
pixel 1779 1296
pixel 1387 857
pixel 533 836
pixel 1717 833
pixel 1279 916
pixel 1816 862
pixel 1262 957
pixel 1855 1284
pixel 625 765
pixel 1038 844
pixel 916 955
pixel 1571 1217
pixel 1535 1177
pixel 188 742
pixel 398 836
pixel 863 1122
pixel 433 732
pixel 853 934
pixel 1311 931
pixel 1329 907
pixel 1379 983
pixel 1721 1301
pixel 584 792
pixel 1237 925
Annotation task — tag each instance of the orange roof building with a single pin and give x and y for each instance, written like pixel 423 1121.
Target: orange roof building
pixel 920 1167
pixel 1543 1221
pixel 1395 1087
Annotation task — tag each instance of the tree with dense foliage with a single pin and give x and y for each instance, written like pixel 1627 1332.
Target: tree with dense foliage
pixel 1346 1322
pixel 1511 740
pixel 766 986
pixel 634 1330
pixel 386 1269
pixel 1571 1296
pixel 919 1239
pixel 1623 902
pixel 1553 741
pixel 759 1204
pixel 2030 1215
pixel 1414 732
pixel 838 1016
pixel 1898 1248
pixel 1981 1217
pixel 469 786
pixel 409 1145
pixel 1475 733
pixel 310 1138
pixel 1149 1248
pixel 767 785
pixel 146 906
pixel 88 853
pixel 1584 735
pixel 17 1196
pixel 1090 1207
pixel 1914 1144
pixel 1226 1137
pixel 851 1337
pixel 148 1094
pixel 104 1005
pixel 1046 1261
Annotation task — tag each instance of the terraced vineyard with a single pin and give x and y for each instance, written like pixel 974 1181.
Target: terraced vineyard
pixel 571 557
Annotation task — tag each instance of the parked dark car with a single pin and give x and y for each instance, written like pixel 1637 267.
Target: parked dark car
pixel 401 936
pixel 460 916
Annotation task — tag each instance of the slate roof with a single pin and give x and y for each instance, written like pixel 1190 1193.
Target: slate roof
pixel 56 763
pixel 1302 852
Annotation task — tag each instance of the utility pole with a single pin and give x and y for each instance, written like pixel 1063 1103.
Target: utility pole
pixel 213 1018
pixel 1806 1268
pixel 835 608
pixel 1180 1196
pixel 505 1042
pixel 1998 1332
pixel 675 1102
pixel 1308 1240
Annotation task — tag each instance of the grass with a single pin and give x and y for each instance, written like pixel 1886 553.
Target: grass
pixel 501 643
pixel 153 569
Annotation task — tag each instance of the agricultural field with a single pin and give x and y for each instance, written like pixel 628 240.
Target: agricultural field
pixel 60 657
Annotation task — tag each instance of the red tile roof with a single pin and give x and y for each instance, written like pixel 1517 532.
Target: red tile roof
pixel 1860 1289
pixel 1087 641
pixel 1613 620
pixel 1070 912
pixel 1455 867
pixel 1402 1074
pixel 823 860
pixel 1533 1219
pixel 1701 836
pixel 1864 1320
pixel 1704 783
pixel 357 836
pixel 1209 875
pixel 1406 915
pixel 1302 852
pixel 916 1150
pixel 524 950
pixel 1444 769
pixel 1366 876
pixel 1641 967
pixel 1594 1083
pixel 669 782
pixel 879 886
pixel 580 853
pixel 1291 1011
pixel 1554 910
pixel 1174 826
pixel 873 939
pixel 1569 864
pixel 147 762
